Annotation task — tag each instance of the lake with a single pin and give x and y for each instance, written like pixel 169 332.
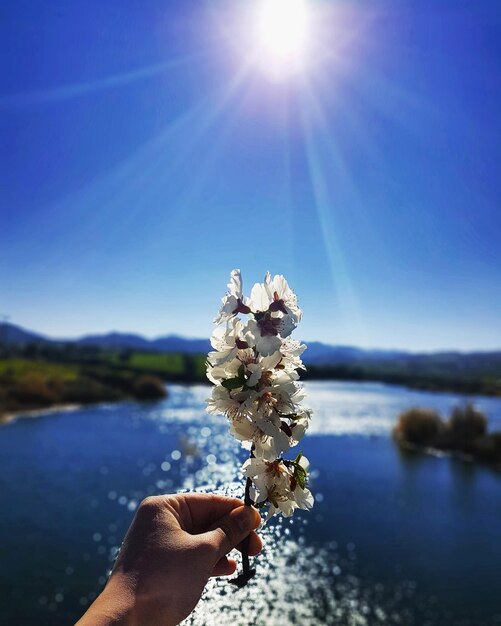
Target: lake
pixel 393 538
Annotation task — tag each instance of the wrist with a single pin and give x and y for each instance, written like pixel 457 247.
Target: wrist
pixel 113 607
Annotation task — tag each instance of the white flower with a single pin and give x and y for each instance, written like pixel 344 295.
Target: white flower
pixel 275 310
pixel 289 394
pixel 274 441
pixel 244 429
pixel 265 475
pixel 279 483
pixel 282 296
pixel 304 498
pixel 222 401
pixel 218 373
pixel 226 340
pixel 265 340
pixel 261 366
pixel 233 302
pixel 275 295
pixel 260 298
pixel 253 366
pixel 250 434
pixel 299 426
pixel 230 351
pixel 291 351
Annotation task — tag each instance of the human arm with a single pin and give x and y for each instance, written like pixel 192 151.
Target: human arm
pixel 174 545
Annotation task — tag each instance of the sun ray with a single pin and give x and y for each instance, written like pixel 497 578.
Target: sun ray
pixel 325 210
pixel 75 90
pixel 143 175
pixel 103 195
pixel 214 108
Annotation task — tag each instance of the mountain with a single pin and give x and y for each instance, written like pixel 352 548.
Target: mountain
pixel 318 354
pixel 115 340
pixel 175 343
pixel 12 335
pixel 169 343
pixel 325 354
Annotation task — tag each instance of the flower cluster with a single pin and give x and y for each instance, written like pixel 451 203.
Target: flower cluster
pixel 254 367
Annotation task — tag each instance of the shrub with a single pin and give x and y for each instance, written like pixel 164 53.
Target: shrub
pixel 86 391
pixel 467 423
pixel 418 426
pixel 35 390
pixel 465 432
pixel 487 448
pixel 148 388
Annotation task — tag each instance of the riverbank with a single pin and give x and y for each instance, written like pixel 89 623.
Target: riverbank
pixel 440 379
pixel 35 385
pixel 7 418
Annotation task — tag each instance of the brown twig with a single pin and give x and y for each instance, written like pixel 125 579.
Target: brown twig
pixel 247 573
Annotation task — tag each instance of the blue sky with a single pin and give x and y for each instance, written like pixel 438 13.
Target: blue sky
pixel 143 157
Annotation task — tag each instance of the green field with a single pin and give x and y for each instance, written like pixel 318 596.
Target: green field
pixel 49 376
pixel 167 363
pixel 17 368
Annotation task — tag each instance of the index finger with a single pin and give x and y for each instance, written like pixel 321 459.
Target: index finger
pixel 206 508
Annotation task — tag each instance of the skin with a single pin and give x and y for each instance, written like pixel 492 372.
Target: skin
pixel 173 546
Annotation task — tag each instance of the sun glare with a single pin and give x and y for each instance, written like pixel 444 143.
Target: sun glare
pixel 282 35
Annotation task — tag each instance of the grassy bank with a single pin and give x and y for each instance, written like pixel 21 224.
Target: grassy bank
pixel 42 380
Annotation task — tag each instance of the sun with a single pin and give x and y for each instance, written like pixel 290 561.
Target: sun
pixel 282 36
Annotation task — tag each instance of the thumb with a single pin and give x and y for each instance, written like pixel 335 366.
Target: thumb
pixel 232 529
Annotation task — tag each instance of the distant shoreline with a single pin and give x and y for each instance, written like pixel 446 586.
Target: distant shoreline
pixel 39 378
pixel 34 412
pixel 12 416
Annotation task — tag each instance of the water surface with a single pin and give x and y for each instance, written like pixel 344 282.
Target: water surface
pixel 393 539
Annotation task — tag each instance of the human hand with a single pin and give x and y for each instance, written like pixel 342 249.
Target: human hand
pixel 173 546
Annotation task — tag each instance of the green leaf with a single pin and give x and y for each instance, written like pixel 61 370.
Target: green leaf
pixel 232 383
pixel 290 416
pixel 241 373
pixel 300 476
pixel 299 472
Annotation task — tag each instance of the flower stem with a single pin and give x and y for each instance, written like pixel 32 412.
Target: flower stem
pixel 245 544
pixel 247 573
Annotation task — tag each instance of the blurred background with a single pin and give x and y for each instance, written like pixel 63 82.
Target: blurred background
pixel 150 148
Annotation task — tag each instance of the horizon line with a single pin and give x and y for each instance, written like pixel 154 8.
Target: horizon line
pixel 151 338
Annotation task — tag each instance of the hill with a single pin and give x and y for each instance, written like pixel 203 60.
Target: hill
pixel 471 372
pixel 318 353
pixel 16 336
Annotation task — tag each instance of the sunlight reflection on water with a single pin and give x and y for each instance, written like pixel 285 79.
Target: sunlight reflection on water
pixel 338 408
pixel 296 583
pixel 300 583
pixel 360 557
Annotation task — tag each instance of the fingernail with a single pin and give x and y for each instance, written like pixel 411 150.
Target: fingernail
pixel 245 518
